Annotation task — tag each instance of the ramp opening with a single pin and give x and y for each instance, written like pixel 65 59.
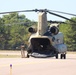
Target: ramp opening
pixel 41 45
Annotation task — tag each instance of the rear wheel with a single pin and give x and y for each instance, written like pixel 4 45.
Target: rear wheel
pixel 56 55
pixel 63 56
pixel 28 56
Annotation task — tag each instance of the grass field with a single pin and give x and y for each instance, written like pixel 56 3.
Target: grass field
pixel 10 56
pixel 69 52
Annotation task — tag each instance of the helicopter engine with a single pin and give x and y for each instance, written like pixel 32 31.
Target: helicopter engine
pixel 54 30
pixel 32 30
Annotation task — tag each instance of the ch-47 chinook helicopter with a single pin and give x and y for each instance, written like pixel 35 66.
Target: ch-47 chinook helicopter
pixel 47 41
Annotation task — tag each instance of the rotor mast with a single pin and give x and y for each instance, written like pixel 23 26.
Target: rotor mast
pixel 42 23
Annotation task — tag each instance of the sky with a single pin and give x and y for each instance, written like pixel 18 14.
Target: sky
pixel 58 5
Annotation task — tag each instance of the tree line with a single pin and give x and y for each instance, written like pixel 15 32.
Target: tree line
pixel 14 31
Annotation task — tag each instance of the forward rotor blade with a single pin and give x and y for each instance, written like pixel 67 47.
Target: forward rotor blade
pixel 63 12
pixel 60 16
pixel 55 21
pixel 41 10
pixel 17 11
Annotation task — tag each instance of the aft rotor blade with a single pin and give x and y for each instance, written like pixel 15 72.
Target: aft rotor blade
pixel 60 16
pixel 63 12
pixel 55 21
pixel 17 11
pixel 41 10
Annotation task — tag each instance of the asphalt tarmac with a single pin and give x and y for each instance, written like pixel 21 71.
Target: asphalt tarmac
pixel 38 66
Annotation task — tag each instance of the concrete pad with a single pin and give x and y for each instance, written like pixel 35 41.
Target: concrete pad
pixel 39 66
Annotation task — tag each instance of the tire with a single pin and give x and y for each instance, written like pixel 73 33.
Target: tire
pixel 63 56
pixel 28 56
pixel 56 56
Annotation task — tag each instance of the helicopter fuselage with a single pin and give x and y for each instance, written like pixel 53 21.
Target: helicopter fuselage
pixel 46 42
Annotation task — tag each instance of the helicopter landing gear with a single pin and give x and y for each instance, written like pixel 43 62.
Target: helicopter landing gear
pixel 56 56
pixel 27 56
pixel 63 56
